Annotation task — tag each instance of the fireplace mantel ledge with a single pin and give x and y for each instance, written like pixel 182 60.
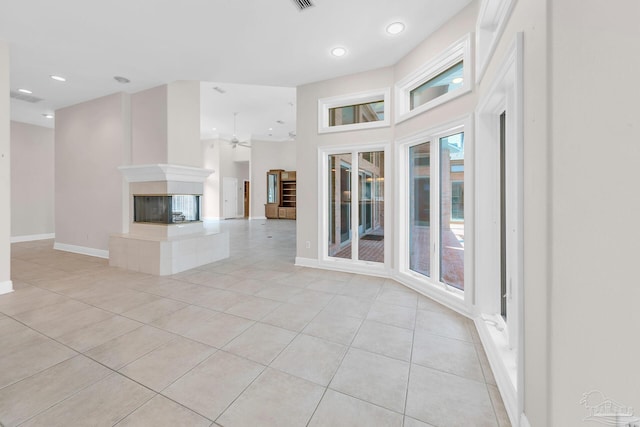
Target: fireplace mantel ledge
pixel 164 172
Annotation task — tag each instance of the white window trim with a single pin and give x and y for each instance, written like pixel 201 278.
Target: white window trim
pixel 492 19
pixel 325 104
pixel 352 265
pixel 503 342
pixel 459 51
pixel 450 296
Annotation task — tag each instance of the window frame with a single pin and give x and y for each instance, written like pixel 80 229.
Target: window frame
pixel 431 285
pixel 503 340
pixel 325 104
pixel 492 18
pixel 458 51
pixel 353 265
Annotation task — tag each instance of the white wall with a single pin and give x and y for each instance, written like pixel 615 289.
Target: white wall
pixel 149 126
pixel 530 18
pixel 211 191
pixel 92 139
pixel 183 124
pixel 32 180
pixel 5 175
pixel 595 153
pixel 266 155
pixel 309 140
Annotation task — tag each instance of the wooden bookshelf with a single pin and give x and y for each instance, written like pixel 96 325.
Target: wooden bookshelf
pixel 283 204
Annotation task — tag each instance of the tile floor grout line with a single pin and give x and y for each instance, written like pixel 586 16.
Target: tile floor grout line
pixel 176 336
pixel 347 348
pixel 486 385
pixel 72 395
pixel 241 393
pixel 237 263
pixel 413 343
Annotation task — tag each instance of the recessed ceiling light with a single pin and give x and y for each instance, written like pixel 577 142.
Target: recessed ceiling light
pixel 214 128
pixel 395 28
pixel 457 80
pixel 121 79
pixel 27 91
pixel 270 128
pixel 58 78
pixel 48 116
pixel 338 51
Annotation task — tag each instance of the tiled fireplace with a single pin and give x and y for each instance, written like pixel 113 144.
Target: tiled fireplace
pixel 166 235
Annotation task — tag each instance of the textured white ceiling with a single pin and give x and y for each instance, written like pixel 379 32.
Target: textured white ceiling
pixel 153 42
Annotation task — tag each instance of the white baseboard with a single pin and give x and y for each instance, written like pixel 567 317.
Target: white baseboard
pixel 6 287
pixel 306 262
pixel 498 359
pixel 448 298
pixel 210 219
pixel 99 253
pixel 363 269
pixel 257 217
pixel 32 237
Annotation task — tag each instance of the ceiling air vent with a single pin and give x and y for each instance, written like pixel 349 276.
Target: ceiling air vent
pixel 25 97
pixel 303 4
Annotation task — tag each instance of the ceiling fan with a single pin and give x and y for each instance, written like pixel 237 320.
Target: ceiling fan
pixel 234 139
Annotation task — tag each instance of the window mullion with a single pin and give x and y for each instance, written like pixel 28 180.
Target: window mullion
pixel 435 211
pixel 355 213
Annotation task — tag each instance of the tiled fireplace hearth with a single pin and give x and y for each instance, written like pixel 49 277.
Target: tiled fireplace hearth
pixel 166 235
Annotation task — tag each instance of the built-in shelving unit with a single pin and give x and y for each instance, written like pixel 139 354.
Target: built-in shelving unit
pixel 281 194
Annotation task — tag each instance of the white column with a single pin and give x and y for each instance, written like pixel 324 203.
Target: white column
pixel 5 174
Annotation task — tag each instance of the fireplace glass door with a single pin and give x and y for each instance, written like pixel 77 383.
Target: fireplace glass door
pixel 169 209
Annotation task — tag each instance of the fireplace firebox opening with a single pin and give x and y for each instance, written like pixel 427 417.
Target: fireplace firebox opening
pixel 166 209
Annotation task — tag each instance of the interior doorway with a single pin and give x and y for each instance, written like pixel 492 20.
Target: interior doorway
pixel 246 199
pixel 230 197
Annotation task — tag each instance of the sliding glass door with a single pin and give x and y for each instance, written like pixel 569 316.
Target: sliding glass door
pixel 355 202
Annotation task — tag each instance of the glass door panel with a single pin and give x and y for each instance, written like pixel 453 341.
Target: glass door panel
pixel 272 188
pixel 420 209
pixel 452 210
pixel 340 205
pixel 371 206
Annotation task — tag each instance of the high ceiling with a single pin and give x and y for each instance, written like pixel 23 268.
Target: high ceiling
pixel 231 42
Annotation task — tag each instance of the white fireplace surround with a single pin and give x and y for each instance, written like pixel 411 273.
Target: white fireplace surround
pixel 164 172
pixel 164 249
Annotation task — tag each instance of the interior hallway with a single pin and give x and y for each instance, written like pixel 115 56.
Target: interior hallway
pixel 251 340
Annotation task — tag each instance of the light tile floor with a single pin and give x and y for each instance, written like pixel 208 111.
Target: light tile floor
pixel 248 341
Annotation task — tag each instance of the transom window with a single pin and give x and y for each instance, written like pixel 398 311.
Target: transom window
pixel 440 80
pixel 363 110
pixel 359 113
pixel 445 82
